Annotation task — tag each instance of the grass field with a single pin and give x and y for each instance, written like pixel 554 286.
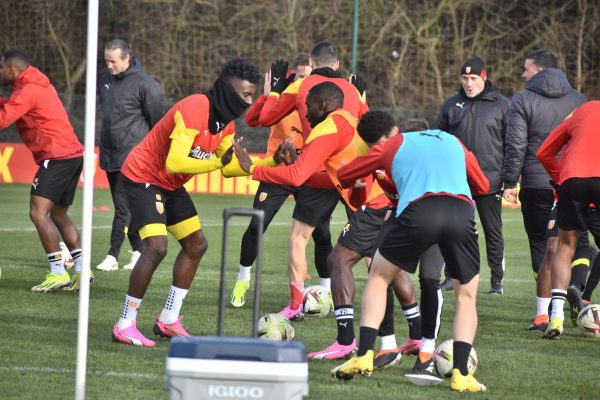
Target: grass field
pixel 38 346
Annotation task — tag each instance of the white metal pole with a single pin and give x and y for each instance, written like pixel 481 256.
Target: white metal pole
pixel 88 197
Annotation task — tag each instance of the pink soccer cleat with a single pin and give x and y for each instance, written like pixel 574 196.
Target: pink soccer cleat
pixel 334 351
pixel 410 346
pixel 132 336
pixel 291 314
pixel 170 330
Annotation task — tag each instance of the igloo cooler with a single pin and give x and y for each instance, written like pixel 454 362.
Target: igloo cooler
pixel 235 368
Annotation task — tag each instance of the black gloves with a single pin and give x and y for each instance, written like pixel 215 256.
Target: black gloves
pixel 279 81
pixel 359 83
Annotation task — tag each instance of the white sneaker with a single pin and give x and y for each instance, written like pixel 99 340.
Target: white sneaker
pixel 108 264
pixel 134 257
pixel 66 255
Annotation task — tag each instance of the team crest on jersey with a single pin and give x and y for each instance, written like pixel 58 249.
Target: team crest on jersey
pixel 262 196
pixel 346 229
pixel 197 152
pixel 160 207
pixel 551 224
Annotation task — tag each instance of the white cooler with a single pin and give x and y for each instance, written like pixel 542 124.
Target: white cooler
pixel 235 368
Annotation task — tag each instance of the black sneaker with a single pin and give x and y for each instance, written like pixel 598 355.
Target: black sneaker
pixel 496 289
pixel 575 302
pixel 446 285
pixel 423 373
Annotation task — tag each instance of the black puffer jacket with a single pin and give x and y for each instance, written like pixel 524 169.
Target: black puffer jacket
pixel 479 122
pixel 533 113
pixel 131 104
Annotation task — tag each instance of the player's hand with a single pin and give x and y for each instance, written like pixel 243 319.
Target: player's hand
pixel 359 83
pixel 227 156
pixel 267 85
pixel 510 195
pixel 292 151
pixel 279 81
pixel 243 157
pixel 281 153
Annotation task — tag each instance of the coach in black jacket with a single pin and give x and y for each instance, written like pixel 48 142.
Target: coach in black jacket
pixel 533 113
pixel 477 116
pixel 132 104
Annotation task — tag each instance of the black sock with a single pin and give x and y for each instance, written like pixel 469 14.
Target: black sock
pixel 413 317
pixel 367 340
pixel 461 356
pixel 344 317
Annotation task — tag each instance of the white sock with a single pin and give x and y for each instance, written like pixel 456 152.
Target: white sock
pixel 541 305
pixel 57 264
pixel 244 274
pixel 129 312
pixel 77 259
pixel 388 342
pixel 170 312
pixel 558 301
pixel 427 345
pixel 326 283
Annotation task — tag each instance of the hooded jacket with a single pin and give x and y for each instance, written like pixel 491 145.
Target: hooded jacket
pixel 131 104
pixel 533 113
pixel 480 123
pixel 40 118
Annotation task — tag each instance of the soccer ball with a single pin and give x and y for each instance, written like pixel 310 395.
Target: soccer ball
pixel 588 319
pixel 275 327
pixel 316 301
pixel 443 359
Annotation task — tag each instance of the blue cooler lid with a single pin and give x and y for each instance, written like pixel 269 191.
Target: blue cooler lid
pixel 236 348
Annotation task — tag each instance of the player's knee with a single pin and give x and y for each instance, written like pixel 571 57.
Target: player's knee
pixel 196 246
pixel 156 248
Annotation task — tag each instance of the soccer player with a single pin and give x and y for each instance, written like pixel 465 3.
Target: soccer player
pixel 45 129
pixel 356 241
pixel 195 136
pixel 333 141
pixel 433 208
pixel 315 206
pixel 578 175
pixel 270 197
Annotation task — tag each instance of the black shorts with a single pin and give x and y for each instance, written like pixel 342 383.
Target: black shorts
pixel 445 220
pixel 270 196
pixel 154 210
pixel 360 232
pixel 574 198
pixel 314 206
pixel 551 227
pixel 56 180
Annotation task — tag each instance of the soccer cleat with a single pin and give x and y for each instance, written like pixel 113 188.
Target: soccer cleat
pixel 108 264
pixel 74 284
pixel 410 346
pixel 132 336
pixel 52 282
pixel 423 373
pixel 575 302
pixel 387 358
pixel 135 255
pixel 468 383
pixel 291 314
pixel 554 329
pixel 496 289
pixel 334 351
pixel 539 323
pixel 446 285
pixel 66 255
pixel 170 330
pixel 356 365
pixel 238 296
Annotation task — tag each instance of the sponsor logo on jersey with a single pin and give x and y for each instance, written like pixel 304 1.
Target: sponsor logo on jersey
pixel 160 207
pixel 158 197
pixel 461 105
pixel 262 196
pixel 200 154
pixel 346 229
pixel 35 183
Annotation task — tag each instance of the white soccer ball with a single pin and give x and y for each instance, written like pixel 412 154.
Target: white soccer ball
pixel 316 301
pixel 588 319
pixel 275 327
pixel 443 359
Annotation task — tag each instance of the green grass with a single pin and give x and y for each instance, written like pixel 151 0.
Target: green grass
pixel 38 346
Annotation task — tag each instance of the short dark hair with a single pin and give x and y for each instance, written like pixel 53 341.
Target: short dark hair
pixel 414 125
pixel 543 58
pixel 16 57
pixel 328 91
pixel 373 125
pixel 324 54
pixel 121 45
pixel 301 59
pixel 241 68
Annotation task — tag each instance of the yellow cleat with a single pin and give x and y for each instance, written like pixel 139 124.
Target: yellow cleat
pixel 74 284
pixel 52 282
pixel 238 297
pixel 356 365
pixel 468 383
pixel 554 329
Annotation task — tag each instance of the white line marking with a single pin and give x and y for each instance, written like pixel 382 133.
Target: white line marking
pixel 71 371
